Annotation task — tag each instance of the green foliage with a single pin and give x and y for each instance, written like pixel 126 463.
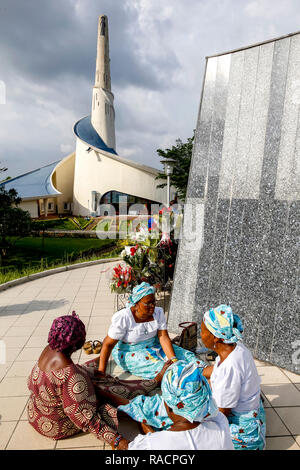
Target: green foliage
pixel 13 220
pixel 181 153
pixel 64 223
pixel 82 221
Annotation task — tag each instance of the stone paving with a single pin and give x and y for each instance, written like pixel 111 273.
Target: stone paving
pixel 26 314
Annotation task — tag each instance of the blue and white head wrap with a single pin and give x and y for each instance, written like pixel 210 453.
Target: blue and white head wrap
pixel 187 392
pixel 224 324
pixel 139 292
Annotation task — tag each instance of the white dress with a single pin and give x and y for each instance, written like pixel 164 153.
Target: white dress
pixel 235 382
pixel 211 434
pixel 124 327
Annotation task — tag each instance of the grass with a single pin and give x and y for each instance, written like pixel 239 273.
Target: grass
pixel 65 223
pixel 31 255
pixel 58 224
pixel 83 222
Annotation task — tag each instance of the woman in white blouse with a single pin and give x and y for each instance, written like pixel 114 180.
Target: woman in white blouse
pixel 234 380
pixel 138 337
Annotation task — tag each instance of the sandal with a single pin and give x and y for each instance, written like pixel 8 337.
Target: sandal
pixel 97 345
pixel 88 347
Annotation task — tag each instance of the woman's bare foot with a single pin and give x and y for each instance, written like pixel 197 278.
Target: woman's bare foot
pixel 160 375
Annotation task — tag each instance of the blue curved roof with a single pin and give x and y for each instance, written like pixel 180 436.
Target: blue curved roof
pixel 86 132
pixel 36 183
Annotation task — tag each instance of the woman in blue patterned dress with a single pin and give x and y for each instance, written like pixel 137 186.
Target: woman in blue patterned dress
pixel 138 337
pixel 234 379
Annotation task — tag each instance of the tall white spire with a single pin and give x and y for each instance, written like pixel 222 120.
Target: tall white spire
pixel 103 113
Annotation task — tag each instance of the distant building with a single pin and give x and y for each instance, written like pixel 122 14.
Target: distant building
pixel 94 174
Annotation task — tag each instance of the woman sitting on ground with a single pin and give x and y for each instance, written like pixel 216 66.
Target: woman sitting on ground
pixel 138 337
pixel 185 417
pixel 66 398
pixel 234 379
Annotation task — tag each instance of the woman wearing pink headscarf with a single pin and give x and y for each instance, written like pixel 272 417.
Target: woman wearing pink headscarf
pixel 66 397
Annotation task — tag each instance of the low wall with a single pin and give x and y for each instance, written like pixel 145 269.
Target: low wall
pixel 49 272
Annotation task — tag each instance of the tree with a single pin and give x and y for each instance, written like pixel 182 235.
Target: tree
pixel 181 153
pixel 13 220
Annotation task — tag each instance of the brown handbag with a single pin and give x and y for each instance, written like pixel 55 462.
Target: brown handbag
pixel 188 337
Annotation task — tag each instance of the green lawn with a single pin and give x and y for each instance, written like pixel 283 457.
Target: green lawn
pixel 83 222
pixel 32 254
pixel 57 224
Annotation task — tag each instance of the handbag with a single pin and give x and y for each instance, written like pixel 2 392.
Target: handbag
pixel 188 337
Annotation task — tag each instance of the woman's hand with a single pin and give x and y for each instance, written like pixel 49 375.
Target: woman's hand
pixel 207 371
pixel 165 343
pixel 146 428
pixel 107 347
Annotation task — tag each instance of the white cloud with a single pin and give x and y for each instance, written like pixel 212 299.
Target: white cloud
pixel 157 51
pixel 66 148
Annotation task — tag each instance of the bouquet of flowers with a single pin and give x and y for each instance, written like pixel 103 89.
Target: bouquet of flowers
pixel 123 280
pixel 149 253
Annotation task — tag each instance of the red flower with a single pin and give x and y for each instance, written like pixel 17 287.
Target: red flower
pixel 133 354
pixel 147 357
pixel 180 405
pixel 163 423
pixel 156 413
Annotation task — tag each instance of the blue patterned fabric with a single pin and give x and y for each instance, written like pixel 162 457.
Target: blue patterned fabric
pixel 150 410
pixel 224 324
pixel 147 358
pixel 185 391
pixel 139 292
pixel 248 430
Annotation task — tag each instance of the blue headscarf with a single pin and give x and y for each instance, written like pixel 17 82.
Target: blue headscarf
pixel 187 392
pixel 139 292
pixel 224 324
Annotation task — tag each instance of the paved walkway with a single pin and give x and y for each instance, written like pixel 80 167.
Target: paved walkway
pixel 26 314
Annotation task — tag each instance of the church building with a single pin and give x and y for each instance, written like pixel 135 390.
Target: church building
pixel 94 174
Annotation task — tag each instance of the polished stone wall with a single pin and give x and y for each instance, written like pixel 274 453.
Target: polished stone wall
pixel 240 241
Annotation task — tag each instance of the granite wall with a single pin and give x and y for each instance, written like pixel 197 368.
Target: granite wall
pixel 240 241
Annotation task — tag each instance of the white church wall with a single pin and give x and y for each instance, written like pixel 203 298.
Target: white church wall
pixel 100 173
pixel 31 207
pixel 63 180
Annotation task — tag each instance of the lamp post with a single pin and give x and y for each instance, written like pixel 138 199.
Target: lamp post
pixel 168 164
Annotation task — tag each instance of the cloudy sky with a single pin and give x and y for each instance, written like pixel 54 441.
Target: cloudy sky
pixel 157 51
